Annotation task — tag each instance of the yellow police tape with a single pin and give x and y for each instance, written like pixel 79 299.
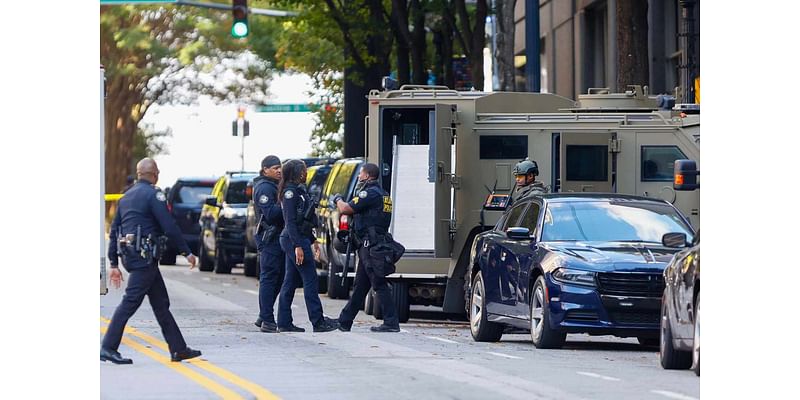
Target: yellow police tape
pixel 113 196
pixel 251 387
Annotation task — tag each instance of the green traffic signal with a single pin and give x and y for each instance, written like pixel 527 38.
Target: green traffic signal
pixel 240 29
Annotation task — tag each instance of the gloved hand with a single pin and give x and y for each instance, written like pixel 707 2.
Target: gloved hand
pixel 333 199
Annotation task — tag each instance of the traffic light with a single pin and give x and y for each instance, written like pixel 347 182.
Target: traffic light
pixel 240 28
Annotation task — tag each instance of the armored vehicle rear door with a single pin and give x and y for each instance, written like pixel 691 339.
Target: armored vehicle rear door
pixel 441 151
pixel 585 162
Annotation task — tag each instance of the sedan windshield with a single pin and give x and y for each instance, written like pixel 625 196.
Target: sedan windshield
pixel 626 221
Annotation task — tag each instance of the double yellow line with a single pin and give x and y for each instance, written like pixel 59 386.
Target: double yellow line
pixel 222 391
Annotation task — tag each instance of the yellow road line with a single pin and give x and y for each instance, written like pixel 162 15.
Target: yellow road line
pixel 255 389
pixel 215 387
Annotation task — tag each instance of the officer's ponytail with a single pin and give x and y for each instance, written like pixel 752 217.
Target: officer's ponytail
pixel 291 172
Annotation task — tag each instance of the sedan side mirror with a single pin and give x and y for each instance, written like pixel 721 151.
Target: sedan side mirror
pixel 674 240
pixel 211 201
pixel 518 233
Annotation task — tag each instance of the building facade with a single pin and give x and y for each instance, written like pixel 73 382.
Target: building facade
pixel 578 42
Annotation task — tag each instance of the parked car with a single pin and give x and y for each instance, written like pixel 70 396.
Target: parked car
pixel 185 202
pixel 680 309
pixel 222 222
pixel 342 179
pixel 565 263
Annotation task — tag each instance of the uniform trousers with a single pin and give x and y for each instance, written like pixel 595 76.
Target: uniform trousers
pixel 145 281
pixel 307 272
pixel 366 278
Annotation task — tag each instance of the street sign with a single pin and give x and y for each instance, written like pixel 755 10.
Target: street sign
pixel 136 1
pixel 283 108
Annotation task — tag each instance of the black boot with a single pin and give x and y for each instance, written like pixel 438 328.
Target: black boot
pixel 113 356
pixel 185 354
pixel 326 325
pixel 290 328
pixel 385 328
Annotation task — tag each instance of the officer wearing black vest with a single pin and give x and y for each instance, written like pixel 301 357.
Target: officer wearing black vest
pixel 296 240
pixel 371 208
pixel 270 255
pixel 136 236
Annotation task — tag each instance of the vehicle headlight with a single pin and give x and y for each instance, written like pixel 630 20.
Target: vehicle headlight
pixel 574 276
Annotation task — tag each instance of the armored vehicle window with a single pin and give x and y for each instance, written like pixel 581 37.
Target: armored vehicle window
pixel 587 163
pixel 342 179
pixel 658 162
pixel 531 218
pixel 504 147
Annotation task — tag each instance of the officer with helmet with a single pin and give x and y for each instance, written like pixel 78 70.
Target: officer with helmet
pixel 525 173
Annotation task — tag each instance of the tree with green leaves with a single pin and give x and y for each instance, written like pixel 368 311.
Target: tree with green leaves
pixel 167 55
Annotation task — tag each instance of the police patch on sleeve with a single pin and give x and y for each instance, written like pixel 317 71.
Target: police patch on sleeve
pixel 289 194
pixel 160 196
pixel 362 194
pixel 263 199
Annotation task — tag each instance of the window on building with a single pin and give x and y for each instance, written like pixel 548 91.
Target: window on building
pixel 595 41
pixel 658 162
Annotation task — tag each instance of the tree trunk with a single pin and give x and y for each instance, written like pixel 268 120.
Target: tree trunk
pixel 399 18
pixel 418 44
pixel 632 62
pixel 504 53
pixel 122 117
pixel 447 54
pixel 478 43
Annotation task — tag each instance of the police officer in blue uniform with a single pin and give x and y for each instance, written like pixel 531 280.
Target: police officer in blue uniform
pixel 296 239
pixel 270 255
pixel 141 219
pixel 372 211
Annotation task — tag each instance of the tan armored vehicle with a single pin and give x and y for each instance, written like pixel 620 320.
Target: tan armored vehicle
pixel 442 153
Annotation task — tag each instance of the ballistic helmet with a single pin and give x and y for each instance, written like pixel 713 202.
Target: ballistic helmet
pixel 525 167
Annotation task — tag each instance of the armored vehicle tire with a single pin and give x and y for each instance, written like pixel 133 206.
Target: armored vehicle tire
pixel 368 306
pixel 168 258
pixel 377 311
pixel 480 327
pixel 251 264
pixel 542 335
pixel 401 300
pixel 335 288
pixel 670 357
pixel 648 341
pixel 221 265
pixel 696 339
pixel 206 263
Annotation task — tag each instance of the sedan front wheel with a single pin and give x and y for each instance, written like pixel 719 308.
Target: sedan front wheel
pixel 542 335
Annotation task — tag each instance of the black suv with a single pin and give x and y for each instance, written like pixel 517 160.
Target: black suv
pixel 315 181
pixel 342 179
pixel 222 223
pixel 185 202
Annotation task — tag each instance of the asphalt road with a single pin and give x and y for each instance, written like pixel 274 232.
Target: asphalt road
pixel 431 358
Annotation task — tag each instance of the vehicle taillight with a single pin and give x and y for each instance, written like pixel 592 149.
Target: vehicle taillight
pixel 169 207
pixel 344 223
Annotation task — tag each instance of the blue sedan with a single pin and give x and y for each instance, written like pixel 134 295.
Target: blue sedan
pixel 565 263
